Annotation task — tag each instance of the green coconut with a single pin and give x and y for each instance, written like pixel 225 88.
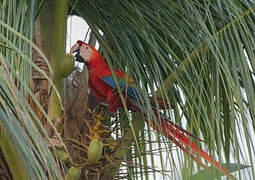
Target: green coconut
pixel 95 151
pixel 66 65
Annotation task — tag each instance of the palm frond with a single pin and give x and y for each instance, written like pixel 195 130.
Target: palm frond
pixel 20 127
pixel 204 47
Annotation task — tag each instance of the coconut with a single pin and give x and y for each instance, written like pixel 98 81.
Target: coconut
pixel 95 151
pixel 66 65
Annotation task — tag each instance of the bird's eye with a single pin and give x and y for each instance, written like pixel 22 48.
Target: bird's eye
pixel 87 47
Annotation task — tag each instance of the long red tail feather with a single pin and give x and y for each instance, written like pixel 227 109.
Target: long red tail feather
pixel 186 145
pixel 166 119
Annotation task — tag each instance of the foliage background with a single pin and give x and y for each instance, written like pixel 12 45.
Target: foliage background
pixel 199 55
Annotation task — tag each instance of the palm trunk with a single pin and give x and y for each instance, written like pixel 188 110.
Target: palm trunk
pixel 57 52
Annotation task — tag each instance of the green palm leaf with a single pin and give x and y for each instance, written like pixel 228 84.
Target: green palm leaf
pixel 197 54
pixel 204 50
pixel 22 134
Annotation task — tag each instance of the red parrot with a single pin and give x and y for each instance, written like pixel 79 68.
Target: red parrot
pixel 105 90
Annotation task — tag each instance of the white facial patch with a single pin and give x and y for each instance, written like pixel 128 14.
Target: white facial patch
pixel 85 52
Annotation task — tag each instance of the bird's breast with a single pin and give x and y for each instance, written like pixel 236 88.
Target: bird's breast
pixel 98 84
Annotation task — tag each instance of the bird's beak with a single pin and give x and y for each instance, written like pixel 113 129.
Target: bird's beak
pixel 74 48
pixel 77 50
pixel 78 57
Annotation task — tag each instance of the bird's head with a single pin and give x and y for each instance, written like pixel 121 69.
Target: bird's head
pixel 84 52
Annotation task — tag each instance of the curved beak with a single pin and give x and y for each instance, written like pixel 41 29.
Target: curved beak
pixel 78 56
pixel 76 49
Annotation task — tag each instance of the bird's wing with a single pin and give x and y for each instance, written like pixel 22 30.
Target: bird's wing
pixel 132 93
pixel 125 85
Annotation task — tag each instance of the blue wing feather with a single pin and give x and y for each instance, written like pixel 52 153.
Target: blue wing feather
pixel 130 90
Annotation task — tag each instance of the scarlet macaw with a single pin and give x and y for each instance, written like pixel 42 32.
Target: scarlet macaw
pixel 104 88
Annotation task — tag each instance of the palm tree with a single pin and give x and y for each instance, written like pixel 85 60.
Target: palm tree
pixel 198 55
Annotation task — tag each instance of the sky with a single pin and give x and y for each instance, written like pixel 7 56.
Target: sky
pixel 76 30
